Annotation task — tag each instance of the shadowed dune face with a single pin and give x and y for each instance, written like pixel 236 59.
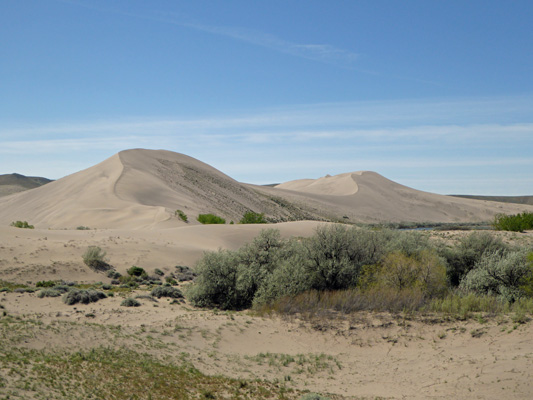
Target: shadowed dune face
pixel 141 189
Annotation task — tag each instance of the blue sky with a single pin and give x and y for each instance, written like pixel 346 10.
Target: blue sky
pixel 436 95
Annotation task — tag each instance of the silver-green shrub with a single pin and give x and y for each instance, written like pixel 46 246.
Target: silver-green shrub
pixel 500 273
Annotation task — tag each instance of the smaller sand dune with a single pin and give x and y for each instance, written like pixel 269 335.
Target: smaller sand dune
pixel 338 185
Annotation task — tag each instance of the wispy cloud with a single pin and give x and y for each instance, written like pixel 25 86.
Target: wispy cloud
pixel 403 140
pixel 317 52
pixel 321 52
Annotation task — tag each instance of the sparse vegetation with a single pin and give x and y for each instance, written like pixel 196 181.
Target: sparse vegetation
pixel 83 228
pixel 167 291
pixel 210 219
pixel 22 224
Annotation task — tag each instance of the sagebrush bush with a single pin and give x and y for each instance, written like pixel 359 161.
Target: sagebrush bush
pixel 467 252
pixel 210 219
pixel 167 291
pixel 130 302
pixel 504 274
pixel 94 258
pixel 48 293
pixel 83 296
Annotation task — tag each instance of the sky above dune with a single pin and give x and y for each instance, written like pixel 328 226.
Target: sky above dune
pixel 436 95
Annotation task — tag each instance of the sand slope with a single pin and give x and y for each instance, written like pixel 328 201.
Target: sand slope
pixel 141 189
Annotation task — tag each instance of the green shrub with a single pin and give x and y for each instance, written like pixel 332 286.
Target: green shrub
pixel 515 223
pixel 251 217
pixel 83 228
pixel 94 259
pixel 46 284
pixel 167 291
pixel 425 271
pixel 181 215
pixel 83 296
pixel 158 272
pixel 210 219
pixel 130 302
pixel 22 224
pixel 216 285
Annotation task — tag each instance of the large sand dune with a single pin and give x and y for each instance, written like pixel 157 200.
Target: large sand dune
pixel 140 189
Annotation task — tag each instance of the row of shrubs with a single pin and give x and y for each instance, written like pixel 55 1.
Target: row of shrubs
pixel 73 295
pixel 249 217
pixel 514 223
pixel 340 258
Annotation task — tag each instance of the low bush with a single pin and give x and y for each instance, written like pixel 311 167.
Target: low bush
pixel 210 219
pixel 83 228
pixel 82 296
pixel 137 271
pixel 184 273
pixel 22 224
pixel 251 217
pixel 130 302
pixel 48 292
pixel 167 291
pixel 94 258
pixel 158 272
pixel 46 284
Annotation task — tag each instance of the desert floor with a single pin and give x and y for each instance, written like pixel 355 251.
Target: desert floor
pixel 364 355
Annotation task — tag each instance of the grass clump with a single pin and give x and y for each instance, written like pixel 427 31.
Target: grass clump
pixel 94 258
pixel 251 217
pixel 22 224
pixel 167 291
pixel 514 223
pixel 210 219
pixel 130 302
pixel 83 296
pixel 181 215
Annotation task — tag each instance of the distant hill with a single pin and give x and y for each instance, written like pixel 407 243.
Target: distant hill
pixel 14 183
pixel 527 200
pixel 137 189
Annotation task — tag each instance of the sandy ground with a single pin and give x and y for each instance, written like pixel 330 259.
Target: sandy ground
pixel 361 356
pixel 358 356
